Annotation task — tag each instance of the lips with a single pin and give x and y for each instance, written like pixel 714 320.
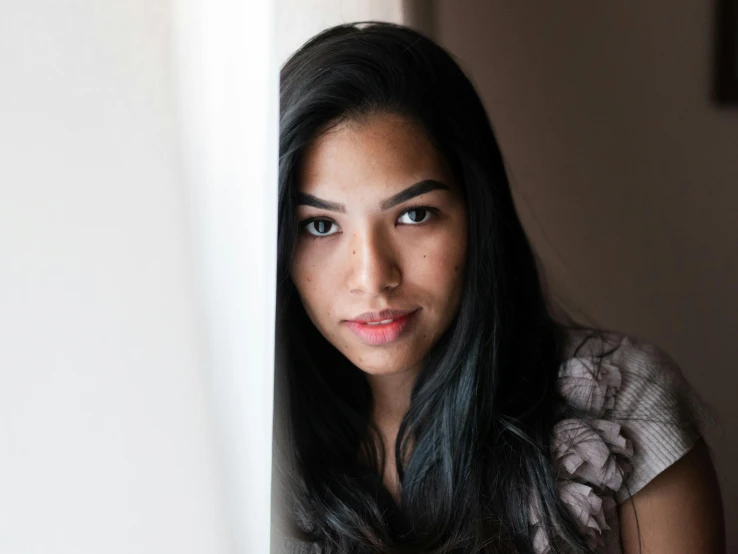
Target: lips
pixel 375 328
pixel 381 316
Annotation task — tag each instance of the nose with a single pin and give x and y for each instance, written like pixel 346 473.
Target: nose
pixel 373 264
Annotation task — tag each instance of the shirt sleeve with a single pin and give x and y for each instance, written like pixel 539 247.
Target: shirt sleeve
pixel 659 411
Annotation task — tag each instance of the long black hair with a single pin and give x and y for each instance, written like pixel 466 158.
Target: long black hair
pixel 483 408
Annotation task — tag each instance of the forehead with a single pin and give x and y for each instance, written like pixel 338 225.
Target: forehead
pixel 379 153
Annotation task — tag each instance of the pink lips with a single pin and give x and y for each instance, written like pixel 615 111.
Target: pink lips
pixel 381 333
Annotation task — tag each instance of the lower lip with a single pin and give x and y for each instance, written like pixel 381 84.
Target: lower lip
pixel 381 334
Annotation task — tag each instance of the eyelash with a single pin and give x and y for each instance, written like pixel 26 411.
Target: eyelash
pixel 305 222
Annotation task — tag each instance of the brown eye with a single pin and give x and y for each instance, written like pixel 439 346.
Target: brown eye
pixel 321 227
pixel 414 216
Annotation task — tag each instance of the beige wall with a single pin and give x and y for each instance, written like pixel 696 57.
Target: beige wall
pixel 626 176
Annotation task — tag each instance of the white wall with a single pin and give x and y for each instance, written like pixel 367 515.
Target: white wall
pixel 106 444
pixel 625 174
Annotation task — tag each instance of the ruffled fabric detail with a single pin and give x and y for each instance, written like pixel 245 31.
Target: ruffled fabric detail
pixel 588 386
pixel 590 456
pixel 593 451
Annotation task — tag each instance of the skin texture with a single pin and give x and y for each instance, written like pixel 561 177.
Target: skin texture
pixel 679 511
pixel 375 259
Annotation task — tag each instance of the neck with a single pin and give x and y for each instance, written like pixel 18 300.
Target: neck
pixel 391 398
pixel 390 403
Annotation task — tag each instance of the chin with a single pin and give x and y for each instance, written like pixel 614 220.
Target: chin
pixel 381 368
pixel 379 371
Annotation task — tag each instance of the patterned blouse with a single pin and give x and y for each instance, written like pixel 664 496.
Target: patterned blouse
pixel 642 416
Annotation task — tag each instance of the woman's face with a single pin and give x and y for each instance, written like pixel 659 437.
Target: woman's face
pixel 380 255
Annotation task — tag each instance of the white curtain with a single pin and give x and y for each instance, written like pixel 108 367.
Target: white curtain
pixel 228 79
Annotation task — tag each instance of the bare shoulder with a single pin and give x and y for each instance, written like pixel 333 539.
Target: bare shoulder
pixel 678 512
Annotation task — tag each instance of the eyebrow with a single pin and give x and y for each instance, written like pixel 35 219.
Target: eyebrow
pixel 421 187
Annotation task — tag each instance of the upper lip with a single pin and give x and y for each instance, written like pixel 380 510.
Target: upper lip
pixel 381 316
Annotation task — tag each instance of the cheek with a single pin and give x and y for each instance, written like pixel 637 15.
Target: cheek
pixel 439 262
pixel 312 280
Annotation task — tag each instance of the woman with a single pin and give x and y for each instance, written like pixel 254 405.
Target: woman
pixel 427 400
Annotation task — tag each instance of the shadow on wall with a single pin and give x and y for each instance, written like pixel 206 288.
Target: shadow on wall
pixel 726 53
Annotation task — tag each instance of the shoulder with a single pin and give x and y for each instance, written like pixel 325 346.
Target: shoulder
pixel 679 511
pixel 627 414
pixel 639 390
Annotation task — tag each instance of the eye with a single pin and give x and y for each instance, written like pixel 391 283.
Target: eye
pixel 414 216
pixel 320 227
